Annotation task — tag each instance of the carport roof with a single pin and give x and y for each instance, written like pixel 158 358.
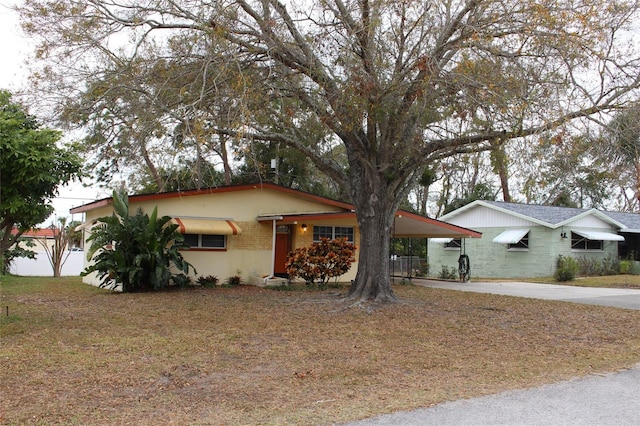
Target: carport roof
pixel 406 224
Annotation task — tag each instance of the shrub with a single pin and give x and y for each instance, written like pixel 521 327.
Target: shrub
pixel 209 281
pixel 610 265
pixel 625 267
pixel 182 280
pixel 566 269
pixel 321 261
pixel 588 267
pixel 445 274
pixel 233 281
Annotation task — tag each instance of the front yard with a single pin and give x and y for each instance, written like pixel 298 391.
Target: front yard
pixel 73 354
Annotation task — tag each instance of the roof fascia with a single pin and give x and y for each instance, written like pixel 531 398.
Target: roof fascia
pixel 293 217
pixel 594 212
pixel 222 189
pixel 499 209
pixel 462 209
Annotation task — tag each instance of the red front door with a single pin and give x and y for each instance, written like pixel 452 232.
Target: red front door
pixel 283 247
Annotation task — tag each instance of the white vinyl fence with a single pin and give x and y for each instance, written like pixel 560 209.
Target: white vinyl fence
pixel 40 266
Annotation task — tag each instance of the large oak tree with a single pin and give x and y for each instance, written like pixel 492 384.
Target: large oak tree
pixel 399 84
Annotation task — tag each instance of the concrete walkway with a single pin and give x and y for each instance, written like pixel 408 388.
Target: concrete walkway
pixel 615 297
pixel 603 399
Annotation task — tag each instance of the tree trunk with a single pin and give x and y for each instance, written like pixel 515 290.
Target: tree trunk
pixel 152 168
pixel 225 160
pixel 6 242
pixel 500 162
pixel 375 209
pixel 504 183
pixel 424 200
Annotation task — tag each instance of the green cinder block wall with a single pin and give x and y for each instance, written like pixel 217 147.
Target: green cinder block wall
pixel 492 260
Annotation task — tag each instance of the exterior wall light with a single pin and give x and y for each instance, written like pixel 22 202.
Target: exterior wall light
pixel 304 227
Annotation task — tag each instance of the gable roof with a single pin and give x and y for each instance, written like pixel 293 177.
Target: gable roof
pixel 221 189
pixel 552 216
pixel 406 223
pixel 630 221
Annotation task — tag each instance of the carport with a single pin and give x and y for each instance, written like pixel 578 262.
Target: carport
pixel 411 232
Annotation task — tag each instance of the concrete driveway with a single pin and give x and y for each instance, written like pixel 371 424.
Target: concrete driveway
pixel 616 297
pixel 602 399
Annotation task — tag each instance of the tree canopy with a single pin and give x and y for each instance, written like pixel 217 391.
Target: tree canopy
pixel 399 84
pixel 32 169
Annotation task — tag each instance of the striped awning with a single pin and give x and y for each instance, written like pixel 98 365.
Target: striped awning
pixel 206 226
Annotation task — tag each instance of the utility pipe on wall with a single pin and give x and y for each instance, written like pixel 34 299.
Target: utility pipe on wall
pixel 273 253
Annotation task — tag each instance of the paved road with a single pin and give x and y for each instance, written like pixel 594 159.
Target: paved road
pixel 604 400
pixel 616 297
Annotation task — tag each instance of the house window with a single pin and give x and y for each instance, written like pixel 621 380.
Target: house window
pixel 333 232
pixel 205 241
pixel 523 244
pixel 454 244
pixel 578 242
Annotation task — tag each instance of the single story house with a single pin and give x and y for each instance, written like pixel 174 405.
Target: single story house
pixel 248 230
pixel 524 241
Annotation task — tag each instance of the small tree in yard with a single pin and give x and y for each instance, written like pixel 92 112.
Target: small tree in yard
pixel 62 236
pixel 136 252
pixel 32 168
pixel 321 261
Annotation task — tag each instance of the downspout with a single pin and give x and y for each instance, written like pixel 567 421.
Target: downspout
pixel 273 254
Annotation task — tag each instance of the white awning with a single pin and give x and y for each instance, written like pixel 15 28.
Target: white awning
pixel 599 236
pixel 206 226
pixel 440 240
pixel 511 236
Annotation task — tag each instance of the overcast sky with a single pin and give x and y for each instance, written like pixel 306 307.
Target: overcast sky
pixel 15 49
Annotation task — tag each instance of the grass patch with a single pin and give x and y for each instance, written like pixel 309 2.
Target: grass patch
pixel 606 281
pixel 247 355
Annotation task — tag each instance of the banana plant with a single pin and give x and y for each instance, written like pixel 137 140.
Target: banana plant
pixel 138 252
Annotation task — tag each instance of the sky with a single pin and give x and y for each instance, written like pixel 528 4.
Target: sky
pixel 15 49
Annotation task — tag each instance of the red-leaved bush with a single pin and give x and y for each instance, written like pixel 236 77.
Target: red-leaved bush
pixel 321 261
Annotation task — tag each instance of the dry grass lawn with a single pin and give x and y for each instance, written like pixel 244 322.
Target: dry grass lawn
pixel 609 281
pixel 73 354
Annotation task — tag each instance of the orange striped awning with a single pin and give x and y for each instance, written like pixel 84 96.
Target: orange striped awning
pixel 206 226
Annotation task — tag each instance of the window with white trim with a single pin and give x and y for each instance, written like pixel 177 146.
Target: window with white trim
pixel 578 242
pixel 205 241
pixel 333 232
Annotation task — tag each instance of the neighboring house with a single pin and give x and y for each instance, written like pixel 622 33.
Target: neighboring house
pixel 524 241
pixel 41 265
pixel 248 230
pixel 37 237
